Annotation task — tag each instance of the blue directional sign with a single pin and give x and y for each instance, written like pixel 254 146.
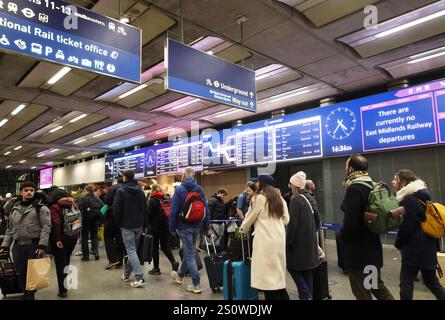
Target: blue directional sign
pixel 199 74
pixel 57 31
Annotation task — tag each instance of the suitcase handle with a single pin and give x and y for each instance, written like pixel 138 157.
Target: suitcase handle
pixel 207 244
pixel 248 246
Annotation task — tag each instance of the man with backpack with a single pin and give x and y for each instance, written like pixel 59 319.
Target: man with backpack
pixel 90 206
pixel 29 227
pixel 158 218
pixel 65 230
pixel 362 248
pixel 188 210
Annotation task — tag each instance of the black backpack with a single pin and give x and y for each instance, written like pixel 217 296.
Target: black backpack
pixel 92 209
pixel 72 224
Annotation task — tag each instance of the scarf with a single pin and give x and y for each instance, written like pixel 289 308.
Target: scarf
pixel 410 189
pixel 355 175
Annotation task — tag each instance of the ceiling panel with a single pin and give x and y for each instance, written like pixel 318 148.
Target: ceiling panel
pixel 153 23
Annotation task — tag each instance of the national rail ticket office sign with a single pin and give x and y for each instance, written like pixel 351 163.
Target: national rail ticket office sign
pixel 57 31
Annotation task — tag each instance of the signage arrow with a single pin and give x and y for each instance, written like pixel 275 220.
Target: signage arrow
pixel 251 94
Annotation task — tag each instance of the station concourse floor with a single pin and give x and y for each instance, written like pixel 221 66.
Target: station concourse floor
pixel 96 283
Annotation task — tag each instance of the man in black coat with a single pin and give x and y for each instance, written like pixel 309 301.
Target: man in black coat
pixel 217 206
pixel 362 248
pixel 129 213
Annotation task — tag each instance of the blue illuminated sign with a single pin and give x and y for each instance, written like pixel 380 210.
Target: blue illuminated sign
pixel 202 75
pixel 60 32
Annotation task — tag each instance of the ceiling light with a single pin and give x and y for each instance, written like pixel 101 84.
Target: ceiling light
pixel 18 109
pixel 114 144
pixel 226 113
pixel 185 104
pixel 17 148
pixel 55 129
pixel 80 141
pixel 289 95
pixel 78 118
pixel 269 70
pixel 137 138
pixel 3 122
pixel 86 152
pixel 126 125
pixel 59 75
pixel 210 52
pixel 410 24
pixel 23 161
pixel 33 167
pixel 134 90
pixel 40 155
pixel 49 163
pixel 165 130
pixel 426 58
pixel 70 157
pixel 100 134
pixel 124 20
pixel 54 150
pixel 6 153
pixel 7 167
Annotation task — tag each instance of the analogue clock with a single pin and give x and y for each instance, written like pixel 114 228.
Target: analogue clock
pixel 150 158
pixel 340 123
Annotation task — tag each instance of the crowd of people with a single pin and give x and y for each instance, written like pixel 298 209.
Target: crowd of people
pixel 285 237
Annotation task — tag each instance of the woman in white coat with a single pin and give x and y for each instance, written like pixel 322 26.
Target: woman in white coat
pixel 269 215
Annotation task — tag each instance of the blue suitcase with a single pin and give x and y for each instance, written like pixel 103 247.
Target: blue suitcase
pixel 237 281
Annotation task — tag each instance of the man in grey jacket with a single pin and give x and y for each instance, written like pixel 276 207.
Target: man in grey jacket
pixel 29 226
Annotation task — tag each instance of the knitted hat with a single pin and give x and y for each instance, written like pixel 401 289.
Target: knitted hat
pixel 298 179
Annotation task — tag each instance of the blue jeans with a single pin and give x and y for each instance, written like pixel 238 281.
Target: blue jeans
pixel 131 242
pixel 188 238
pixel 305 283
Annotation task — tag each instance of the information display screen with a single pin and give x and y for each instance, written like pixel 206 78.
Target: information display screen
pixel 46 178
pixel 398 119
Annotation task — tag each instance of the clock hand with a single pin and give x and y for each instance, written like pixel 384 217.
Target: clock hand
pixel 336 129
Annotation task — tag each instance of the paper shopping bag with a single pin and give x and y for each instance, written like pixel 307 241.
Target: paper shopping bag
pixel 37 276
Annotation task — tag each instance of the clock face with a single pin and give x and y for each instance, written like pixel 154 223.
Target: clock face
pixel 340 123
pixel 150 159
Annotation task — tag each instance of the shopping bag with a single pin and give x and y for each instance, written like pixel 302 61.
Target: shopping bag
pixel 37 276
pixel 100 233
pixel 104 209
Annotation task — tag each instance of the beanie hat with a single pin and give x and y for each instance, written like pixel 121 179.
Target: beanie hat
pixel 298 179
pixel 58 194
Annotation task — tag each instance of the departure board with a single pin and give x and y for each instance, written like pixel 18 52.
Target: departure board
pixel 440 104
pixel 254 147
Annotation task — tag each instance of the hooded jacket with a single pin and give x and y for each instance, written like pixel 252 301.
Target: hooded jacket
pixel 28 222
pixel 177 222
pixel 109 199
pixel 129 207
pixel 57 219
pixel 156 218
pixel 217 208
pixel 417 248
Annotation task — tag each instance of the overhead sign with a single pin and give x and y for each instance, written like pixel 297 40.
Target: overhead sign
pixel 202 75
pixel 60 32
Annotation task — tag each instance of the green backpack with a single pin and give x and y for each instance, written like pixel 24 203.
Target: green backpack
pixel 381 202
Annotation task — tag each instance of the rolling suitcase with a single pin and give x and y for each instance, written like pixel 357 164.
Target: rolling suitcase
pixel 145 248
pixel 9 279
pixel 320 274
pixel 197 257
pixel 237 279
pixel 215 267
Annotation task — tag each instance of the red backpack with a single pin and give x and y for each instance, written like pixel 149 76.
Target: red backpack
pixel 165 208
pixel 194 209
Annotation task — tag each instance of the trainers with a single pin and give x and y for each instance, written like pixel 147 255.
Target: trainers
pixel 155 272
pixel 175 266
pixel 138 283
pixel 195 289
pixel 110 265
pixel 124 278
pixel 176 276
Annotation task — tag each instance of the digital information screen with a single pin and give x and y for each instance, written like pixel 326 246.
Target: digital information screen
pixel 404 118
pixel 46 178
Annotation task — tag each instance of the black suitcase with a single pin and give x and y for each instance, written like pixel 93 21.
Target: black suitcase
pixel 340 256
pixel 321 282
pixel 9 279
pixel 215 266
pixel 145 248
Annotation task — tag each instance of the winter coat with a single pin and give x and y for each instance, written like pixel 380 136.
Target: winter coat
pixel 129 207
pixel 28 222
pixel 417 248
pixel 301 239
pixel 217 208
pixel 361 247
pixel 109 198
pixel 90 206
pixel 268 268
pixel 156 218
pixel 314 206
pixel 57 219
pixel 177 203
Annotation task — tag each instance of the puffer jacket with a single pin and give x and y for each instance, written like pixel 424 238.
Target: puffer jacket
pixel 27 223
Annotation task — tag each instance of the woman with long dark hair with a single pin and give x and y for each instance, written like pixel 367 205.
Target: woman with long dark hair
pixel 269 215
pixel 418 250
